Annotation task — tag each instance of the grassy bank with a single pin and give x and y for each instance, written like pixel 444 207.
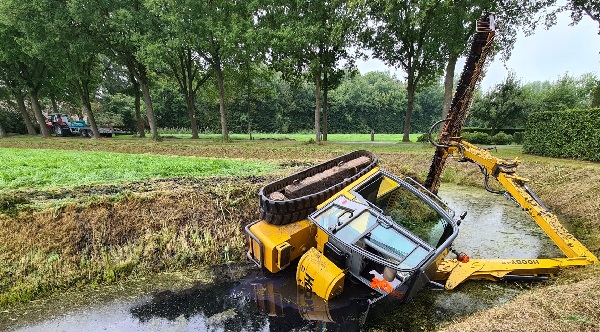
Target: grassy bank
pixel 118 236
pixel 97 233
pixel 47 168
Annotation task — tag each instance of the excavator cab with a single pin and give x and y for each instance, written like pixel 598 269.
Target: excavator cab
pixel 385 232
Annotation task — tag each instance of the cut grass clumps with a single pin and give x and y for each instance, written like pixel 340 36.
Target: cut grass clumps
pixel 11 204
pixel 42 168
pixel 109 240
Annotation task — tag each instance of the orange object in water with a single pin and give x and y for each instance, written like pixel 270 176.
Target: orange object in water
pixel 382 284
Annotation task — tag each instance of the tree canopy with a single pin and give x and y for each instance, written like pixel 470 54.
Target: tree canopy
pixel 265 65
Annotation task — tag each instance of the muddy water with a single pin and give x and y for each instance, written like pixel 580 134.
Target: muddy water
pixel 495 227
pixel 241 298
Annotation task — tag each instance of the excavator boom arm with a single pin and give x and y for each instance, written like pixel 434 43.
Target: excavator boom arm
pixel 449 143
pixel 455 272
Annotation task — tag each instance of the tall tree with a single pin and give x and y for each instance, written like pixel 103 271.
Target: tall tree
pixel 190 73
pixel 174 52
pixel 217 29
pixel 9 78
pixel 459 18
pixel 579 8
pixel 29 73
pixel 569 92
pixel 121 28
pixel 505 104
pixel 408 34
pixel 459 26
pixel 58 41
pixel 311 37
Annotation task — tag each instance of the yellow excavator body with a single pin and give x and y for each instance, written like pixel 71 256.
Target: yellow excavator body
pixel 317 274
pixel 274 247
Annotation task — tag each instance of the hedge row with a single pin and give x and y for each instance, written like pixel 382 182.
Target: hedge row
pixel 567 134
pixel 489 131
pixel 500 138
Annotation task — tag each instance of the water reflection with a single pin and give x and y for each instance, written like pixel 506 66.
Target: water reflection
pixel 258 302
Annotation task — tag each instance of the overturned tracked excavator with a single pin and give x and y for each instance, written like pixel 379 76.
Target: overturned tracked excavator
pixel 347 218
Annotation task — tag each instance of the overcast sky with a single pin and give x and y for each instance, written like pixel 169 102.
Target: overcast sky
pixel 545 55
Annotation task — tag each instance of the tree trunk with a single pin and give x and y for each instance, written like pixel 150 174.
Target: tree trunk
pixel 249 107
pixel 37 110
pixel 24 114
pixel 2 131
pixel 318 106
pixel 87 106
pixel 325 105
pixel 54 104
pixel 189 99
pixel 219 75
pixel 410 89
pixel 190 92
pixel 249 124
pixel 449 84
pixel 141 125
pixel 149 109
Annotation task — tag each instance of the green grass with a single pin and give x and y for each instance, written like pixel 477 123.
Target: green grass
pixel 44 168
pixel 297 137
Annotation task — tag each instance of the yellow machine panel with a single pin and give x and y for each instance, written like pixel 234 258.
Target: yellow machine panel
pixel 322 238
pixel 276 246
pixel 317 274
pixel 387 185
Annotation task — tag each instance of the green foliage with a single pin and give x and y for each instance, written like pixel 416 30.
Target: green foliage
pixel 502 138
pixel 596 96
pixel 12 122
pixel 569 93
pixel 408 35
pixel 477 138
pixel 508 104
pixel 518 137
pixel 116 109
pixel 374 101
pixel 423 138
pixel 566 134
pixel 42 168
pixel 504 104
pixel 578 8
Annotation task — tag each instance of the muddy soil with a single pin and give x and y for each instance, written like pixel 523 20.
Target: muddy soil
pixel 138 187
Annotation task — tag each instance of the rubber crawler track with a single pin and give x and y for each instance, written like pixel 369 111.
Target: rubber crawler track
pixel 292 210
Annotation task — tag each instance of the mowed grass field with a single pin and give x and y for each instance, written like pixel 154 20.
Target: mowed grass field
pixel 187 201
pixel 47 168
